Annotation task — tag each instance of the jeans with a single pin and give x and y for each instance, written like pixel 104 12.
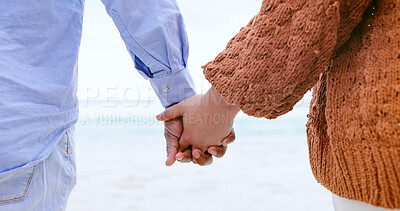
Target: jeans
pixel 45 186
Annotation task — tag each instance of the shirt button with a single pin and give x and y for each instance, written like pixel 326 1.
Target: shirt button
pixel 165 89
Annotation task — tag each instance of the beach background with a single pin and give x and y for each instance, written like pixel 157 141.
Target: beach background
pixel 120 146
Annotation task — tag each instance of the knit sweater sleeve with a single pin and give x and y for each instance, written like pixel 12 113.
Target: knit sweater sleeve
pixel 273 61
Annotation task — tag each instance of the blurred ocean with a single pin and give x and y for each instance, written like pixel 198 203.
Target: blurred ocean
pixel 121 148
pixel 121 154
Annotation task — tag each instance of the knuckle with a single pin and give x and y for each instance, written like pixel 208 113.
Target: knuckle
pixel 205 162
pixel 220 155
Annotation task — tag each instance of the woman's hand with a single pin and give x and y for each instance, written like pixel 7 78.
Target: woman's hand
pixel 207 121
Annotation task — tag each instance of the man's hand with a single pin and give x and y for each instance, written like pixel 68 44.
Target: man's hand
pixel 172 132
pixel 207 122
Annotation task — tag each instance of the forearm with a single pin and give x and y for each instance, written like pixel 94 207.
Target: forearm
pixel 277 58
pixel 155 36
pixel 273 61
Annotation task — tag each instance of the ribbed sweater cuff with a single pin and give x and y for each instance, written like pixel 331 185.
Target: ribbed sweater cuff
pixel 369 174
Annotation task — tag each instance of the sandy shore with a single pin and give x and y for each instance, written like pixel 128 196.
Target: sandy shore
pixel 254 175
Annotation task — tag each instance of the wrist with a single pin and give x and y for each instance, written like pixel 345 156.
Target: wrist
pixel 231 110
pixel 169 106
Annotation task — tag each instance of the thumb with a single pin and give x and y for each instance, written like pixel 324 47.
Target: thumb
pixel 184 143
pixel 229 139
pixel 170 113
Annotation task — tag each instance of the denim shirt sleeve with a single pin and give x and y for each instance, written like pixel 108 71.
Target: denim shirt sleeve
pixel 155 36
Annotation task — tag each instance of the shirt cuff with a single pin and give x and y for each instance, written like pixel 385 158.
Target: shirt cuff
pixel 174 88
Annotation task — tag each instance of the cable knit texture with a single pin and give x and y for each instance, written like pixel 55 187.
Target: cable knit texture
pixel 349 51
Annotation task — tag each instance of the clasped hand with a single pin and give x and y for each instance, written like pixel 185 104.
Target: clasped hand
pixel 197 128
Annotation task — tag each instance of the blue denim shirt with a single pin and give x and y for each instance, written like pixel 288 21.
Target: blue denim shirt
pixel 39 44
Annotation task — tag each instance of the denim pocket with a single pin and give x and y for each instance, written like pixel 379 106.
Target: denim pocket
pixel 14 185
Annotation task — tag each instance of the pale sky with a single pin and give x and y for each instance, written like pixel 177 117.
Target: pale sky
pixel 106 69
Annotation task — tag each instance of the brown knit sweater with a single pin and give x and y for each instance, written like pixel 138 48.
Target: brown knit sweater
pixel 349 51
